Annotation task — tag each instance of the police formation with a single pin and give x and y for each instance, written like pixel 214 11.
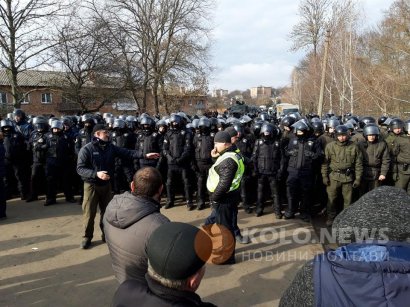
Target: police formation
pixel 313 165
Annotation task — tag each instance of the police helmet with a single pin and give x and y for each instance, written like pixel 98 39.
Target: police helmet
pixel 333 123
pixel 57 124
pixel 381 120
pixel 371 129
pixel 40 124
pixel 175 121
pixel 161 123
pixel 396 123
pixel 264 117
pixel 119 124
pixel 301 125
pixel 239 128
pixel 365 121
pixel 195 123
pixel 341 130
pixel 67 121
pixel 256 129
pixel 407 126
pixel 147 123
pixel 245 119
pixel 269 129
pixel 204 123
pixel 6 123
pixel 318 127
pixel 287 121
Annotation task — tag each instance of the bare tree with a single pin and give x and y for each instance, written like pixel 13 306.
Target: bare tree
pixel 24 37
pixel 309 32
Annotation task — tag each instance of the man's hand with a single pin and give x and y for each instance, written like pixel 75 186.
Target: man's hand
pixel 214 153
pixel 356 184
pixel 326 181
pixel 103 175
pixel 153 155
pixel 381 178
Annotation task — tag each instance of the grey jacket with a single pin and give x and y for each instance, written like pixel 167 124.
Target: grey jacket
pixel 129 221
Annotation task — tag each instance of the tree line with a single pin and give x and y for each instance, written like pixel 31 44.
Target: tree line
pixel 134 47
pixel 365 71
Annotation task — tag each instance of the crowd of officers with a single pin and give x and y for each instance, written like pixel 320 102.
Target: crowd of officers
pixel 311 164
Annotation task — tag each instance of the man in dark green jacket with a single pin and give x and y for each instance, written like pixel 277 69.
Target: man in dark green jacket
pixel 376 159
pixel 341 171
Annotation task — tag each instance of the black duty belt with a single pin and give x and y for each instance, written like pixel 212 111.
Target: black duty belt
pixel 346 171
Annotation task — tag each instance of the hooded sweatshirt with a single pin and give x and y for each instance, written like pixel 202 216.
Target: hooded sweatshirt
pixel 129 221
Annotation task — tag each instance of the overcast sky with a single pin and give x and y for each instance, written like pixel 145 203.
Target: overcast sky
pixel 251 41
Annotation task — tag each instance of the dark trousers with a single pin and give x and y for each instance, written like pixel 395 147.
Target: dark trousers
pixel 211 219
pixel 58 175
pixel 299 188
pixel 223 214
pixel 273 184
pixel 38 177
pixel 173 175
pixel 202 176
pixel 21 173
pixel 3 205
pixel 94 196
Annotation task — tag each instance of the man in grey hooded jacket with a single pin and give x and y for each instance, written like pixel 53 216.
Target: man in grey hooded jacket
pixel 129 221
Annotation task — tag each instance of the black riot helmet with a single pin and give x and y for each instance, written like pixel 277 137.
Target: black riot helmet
pixel 119 124
pixel 147 123
pixel 396 123
pixel 365 121
pixel 40 124
pixel 407 126
pixel 20 113
pixel 256 128
pixel 175 122
pixel 371 129
pixel 214 124
pixel 221 123
pixel 268 131
pixel 381 120
pixel 204 123
pixel 239 129
pixel 264 116
pixel 318 127
pixel 333 123
pixel 341 130
pixel 288 121
pixel 57 124
pixel 6 126
pixel 302 126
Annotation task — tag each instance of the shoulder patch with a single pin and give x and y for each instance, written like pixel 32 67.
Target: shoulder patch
pixel 295 142
pixel 260 142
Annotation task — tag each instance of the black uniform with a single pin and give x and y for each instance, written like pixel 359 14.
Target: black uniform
pixel 60 153
pixel 39 149
pixel 147 142
pixel 267 157
pixel 301 153
pixel 124 169
pixel 203 145
pixel 177 151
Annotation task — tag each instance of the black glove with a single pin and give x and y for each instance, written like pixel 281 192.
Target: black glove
pixel 356 184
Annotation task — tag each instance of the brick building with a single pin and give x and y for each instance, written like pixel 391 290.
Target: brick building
pixel 44 95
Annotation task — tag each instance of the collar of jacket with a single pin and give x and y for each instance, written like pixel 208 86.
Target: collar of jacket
pixel 343 143
pixel 148 199
pixel 231 148
pixel 173 295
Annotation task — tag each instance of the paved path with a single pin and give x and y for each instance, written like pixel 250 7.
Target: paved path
pixel 41 263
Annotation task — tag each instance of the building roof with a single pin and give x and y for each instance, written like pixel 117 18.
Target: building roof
pixel 35 78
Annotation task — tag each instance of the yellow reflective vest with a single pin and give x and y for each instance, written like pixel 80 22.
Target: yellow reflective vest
pixel 213 176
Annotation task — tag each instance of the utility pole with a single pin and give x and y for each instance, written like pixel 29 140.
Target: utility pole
pixel 322 82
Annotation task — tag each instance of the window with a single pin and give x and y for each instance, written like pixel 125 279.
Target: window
pixel 46 98
pixel 3 98
pixel 26 99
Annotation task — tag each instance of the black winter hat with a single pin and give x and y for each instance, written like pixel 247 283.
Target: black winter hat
pixel 99 127
pixel 231 131
pixel 222 137
pixel 177 251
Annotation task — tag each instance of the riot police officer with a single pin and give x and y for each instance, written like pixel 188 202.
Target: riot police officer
pixel 177 150
pixel 203 144
pixel 60 151
pixel 401 154
pixel 266 158
pixel 37 140
pixel 342 171
pixel 301 152
pixel 15 155
pixel 148 144
pixel 123 169
pixel 376 159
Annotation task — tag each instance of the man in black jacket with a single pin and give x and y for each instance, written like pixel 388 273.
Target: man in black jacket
pixel 95 165
pixel 172 280
pixel 224 182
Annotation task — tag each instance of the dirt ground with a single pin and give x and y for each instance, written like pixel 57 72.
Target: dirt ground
pixel 41 263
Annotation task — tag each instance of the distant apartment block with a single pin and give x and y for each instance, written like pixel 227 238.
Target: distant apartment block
pixel 261 92
pixel 219 93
